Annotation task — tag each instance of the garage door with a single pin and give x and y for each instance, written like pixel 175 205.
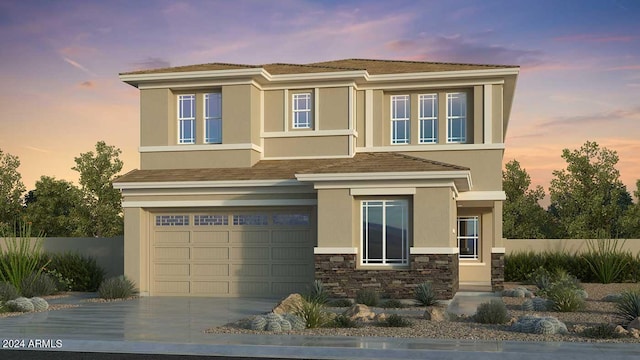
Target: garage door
pixel 232 253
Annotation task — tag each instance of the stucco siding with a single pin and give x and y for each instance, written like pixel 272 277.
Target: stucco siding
pixel 497 108
pixel 360 119
pixel 431 218
pixel 236 114
pixel 333 108
pixel 306 146
pixel 156 117
pixel 335 218
pixel 196 159
pixel 273 110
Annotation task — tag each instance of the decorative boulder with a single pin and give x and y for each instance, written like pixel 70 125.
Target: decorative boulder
pixel 289 304
pixel 434 314
pixel 359 312
pixel 634 324
pixel 620 330
pixel 382 317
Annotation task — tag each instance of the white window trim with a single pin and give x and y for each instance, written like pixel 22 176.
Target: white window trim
pixel 433 117
pixel 407 135
pixel 295 123
pixel 450 118
pixel 207 118
pixel 405 245
pixel 476 255
pixel 181 119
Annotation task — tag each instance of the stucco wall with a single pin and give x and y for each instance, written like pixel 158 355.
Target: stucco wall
pixel 569 245
pixel 108 252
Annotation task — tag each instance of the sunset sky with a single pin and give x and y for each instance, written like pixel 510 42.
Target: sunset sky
pixel 60 92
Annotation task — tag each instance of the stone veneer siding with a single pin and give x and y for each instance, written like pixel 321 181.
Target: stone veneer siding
pixel 341 278
pixel 497 272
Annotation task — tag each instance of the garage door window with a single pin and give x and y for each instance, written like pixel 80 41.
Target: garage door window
pixel 253 219
pixel 172 220
pixel 291 219
pixel 210 220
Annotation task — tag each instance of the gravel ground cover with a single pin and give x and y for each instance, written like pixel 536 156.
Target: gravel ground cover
pixel 464 328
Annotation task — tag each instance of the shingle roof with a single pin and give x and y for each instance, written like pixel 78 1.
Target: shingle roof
pixel 287 169
pixel 373 67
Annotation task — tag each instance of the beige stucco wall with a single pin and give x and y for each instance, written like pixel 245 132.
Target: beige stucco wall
pixel 273 110
pixel 335 218
pixel 497 109
pixel 236 114
pixel 478 114
pixel 432 218
pixel 197 159
pixel 333 108
pixel 485 165
pixel 306 146
pixel 136 255
pixel 568 245
pixel 359 118
pixel 156 117
pixel 378 116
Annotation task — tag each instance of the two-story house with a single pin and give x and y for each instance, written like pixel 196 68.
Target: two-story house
pixel 255 180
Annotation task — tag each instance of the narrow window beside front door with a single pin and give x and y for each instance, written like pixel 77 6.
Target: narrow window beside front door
pixel 468 237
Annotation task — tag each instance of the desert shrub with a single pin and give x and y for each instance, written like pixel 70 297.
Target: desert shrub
pixel 627 308
pixel 118 287
pixel 62 283
pixel 541 278
pixel 313 314
pixel 392 304
pixel 425 295
pixel 317 293
pixel 21 256
pixel 607 260
pixel 8 291
pixel 367 297
pixel 493 312
pixel 83 271
pixel 37 284
pixel 342 321
pixel 565 298
pixel 521 265
pixel 395 320
pixel 39 304
pixel 517 266
pixel 539 325
pixel 340 303
pixel 519 292
pixel 20 304
pixel 601 331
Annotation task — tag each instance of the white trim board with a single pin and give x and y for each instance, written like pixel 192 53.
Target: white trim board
pixel 430 147
pixel 498 250
pixel 217 203
pixel 200 147
pixel 482 195
pixel 335 250
pixel 305 133
pixel 204 184
pixel 434 250
pixel 383 191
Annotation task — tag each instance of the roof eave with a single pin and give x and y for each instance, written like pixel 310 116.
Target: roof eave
pixel 444 74
pixel 137 79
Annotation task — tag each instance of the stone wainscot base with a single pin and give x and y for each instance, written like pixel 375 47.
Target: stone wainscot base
pixel 343 279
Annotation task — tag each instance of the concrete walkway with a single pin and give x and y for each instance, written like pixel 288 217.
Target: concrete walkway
pixel 165 325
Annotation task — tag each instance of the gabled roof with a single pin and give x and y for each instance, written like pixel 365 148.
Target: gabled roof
pixel 373 67
pixel 287 169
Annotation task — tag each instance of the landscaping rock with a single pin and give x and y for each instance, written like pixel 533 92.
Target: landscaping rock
pixel 620 330
pixel 635 333
pixel 289 304
pixel 434 314
pixel 578 329
pixel 634 324
pixel 359 312
pixel 380 317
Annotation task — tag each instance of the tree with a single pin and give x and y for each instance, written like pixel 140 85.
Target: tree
pixel 102 210
pixel 588 197
pixel 630 222
pixel 523 217
pixel 54 207
pixel 11 189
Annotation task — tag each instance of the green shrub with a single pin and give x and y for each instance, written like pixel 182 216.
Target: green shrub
pixel 317 293
pixel 541 278
pixel 342 321
pixel 606 259
pixel 493 312
pixel 38 284
pixel 83 271
pixel 521 265
pixel 21 256
pixel 601 331
pixel 118 287
pixel 565 298
pixel 627 308
pixel 392 304
pixel 395 320
pixel 340 303
pixel 62 283
pixel 8 291
pixel 313 314
pixel 367 297
pixel 425 295
pixel 517 266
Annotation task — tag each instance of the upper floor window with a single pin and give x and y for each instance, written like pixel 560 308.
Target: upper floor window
pixel 385 232
pixel 468 237
pixel 186 119
pixel 213 118
pixel 428 117
pixel 400 114
pixel 457 117
pixel 302 111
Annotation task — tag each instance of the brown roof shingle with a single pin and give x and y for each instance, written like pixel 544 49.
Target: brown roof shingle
pixel 372 66
pixel 287 169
